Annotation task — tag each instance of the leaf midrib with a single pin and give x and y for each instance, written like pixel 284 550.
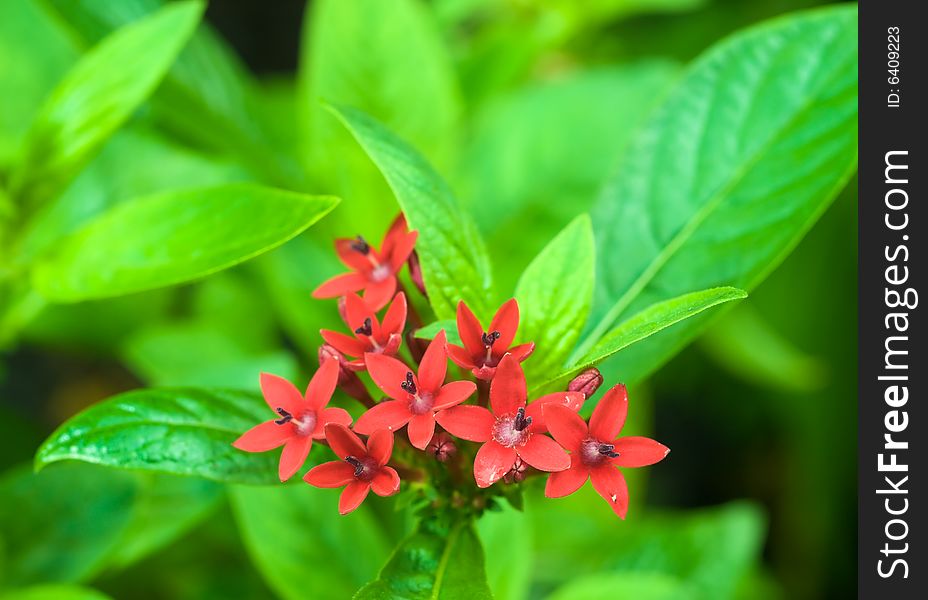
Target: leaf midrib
pixel 445 559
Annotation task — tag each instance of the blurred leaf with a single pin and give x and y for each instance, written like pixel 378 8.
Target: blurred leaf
pixel 506 536
pixel 179 431
pixel 640 586
pixel 174 237
pixel 554 295
pixel 732 169
pixel 431 330
pixel 454 259
pixel 300 543
pixel 61 524
pixel 97 96
pixel 433 564
pixel 53 592
pixel 648 322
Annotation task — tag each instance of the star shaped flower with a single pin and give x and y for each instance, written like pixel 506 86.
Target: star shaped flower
pixel 483 349
pixel 370 335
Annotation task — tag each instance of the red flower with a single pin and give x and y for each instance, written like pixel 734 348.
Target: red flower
pixel 513 430
pixel 373 271
pixel 597 451
pixel 369 334
pixel 415 400
pixel 361 468
pixel 483 350
pixel 302 418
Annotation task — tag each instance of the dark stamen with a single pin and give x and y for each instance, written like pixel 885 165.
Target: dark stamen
pixel 521 421
pixel 285 416
pixel 357 464
pixel 409 385
pixel 365 329
pixel 359 244
pixel 489 338
pixel 608 450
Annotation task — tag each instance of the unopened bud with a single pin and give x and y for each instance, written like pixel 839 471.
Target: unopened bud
pixel 517 473
pixel 342 308
pixel 442 447
pixel 415 273
pixel 327 352
pixel 586 382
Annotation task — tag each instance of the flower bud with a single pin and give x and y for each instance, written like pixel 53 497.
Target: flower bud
pixel 342 309
pixel 327 352
pixel 442 447
pixel 517 473
pixel 348 380
pixel 586 382
pixel 415 273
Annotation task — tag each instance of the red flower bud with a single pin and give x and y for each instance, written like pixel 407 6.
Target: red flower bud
pixel 517 473
pixel 442 447
pixel 586 382
pixel 415 273
pixel 348 380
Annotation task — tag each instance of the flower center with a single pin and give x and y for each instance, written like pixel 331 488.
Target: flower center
pixel 594 452
pixel 304 425
pixel 488 339
pixel 364 468
pixel 380 272
pixel 512 430
pixel 367 328
pixel 420 402
pixel 359 244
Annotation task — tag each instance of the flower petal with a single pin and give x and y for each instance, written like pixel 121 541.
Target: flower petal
pixel 522 351
pixel 386 482
pixel 460 356
pixel 332 414
pixel 609 415
pixel 340 285
pixel 264 437
pixel 404 247
pixel 610 484
pixel 454 393
pixel 506 322
pixel 434 364
pixel 356 311
pixel 568 481
pixel 570 400
pixel 639 452
pixel 420 430
pixel 493 460
pixel 293 456
pixel 352 496
pixel 565 425
pixel 351 257
pixel 467 421
pixel 389 374
pixel 390 415
pixel 394 320
pixel 543 453
pixel 330 475
pixel 322 385
pixel 471 331
pixel 280 393
pixel 507 390
pixel 377 294
pixel 344 343
pixel 343 441
pixel 397 230
pixel 380 446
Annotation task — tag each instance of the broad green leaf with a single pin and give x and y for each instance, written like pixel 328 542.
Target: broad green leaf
pixel 431 330
pixel 554 295
pixel 53 591
pixel 76 507
pixel 454 261
pixel 175 431
pixel 300 543
pixel 506 536
pixel 640 586
pixel 174 237
pixel 433 564
pixel 97 96
pixel 648 322
pixel 733 168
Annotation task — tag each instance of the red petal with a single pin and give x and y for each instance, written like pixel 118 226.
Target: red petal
pixel 571 400
pixel 493 460
pixel 322 385
pixel 333 414
pixel 280 393
pixel 264 437
pixel 609 415
pixel 507 390
pixel 344 343
pixel 404 247
pixel 343 441
pixel 564 483
pixel 330 475
pixel 454 393
pixel 420 430
pixel 393 235
pixel 380 446
pixel 639 452
pixel 468 422
pixel 460 356
pixel 392 345
pixel 293 456
pixel 351 257
pixel 565 425
pixel 352 496
pixel 395 318
pixel 543 453
pixel 471 332
pixel 522 351
pixel 434 364
pixel 610 484
pixel 506 322
pixel 389 374
pixel 386 482
pixel 378 294
pixel 340 285
pixel 356 311
pixel 390 415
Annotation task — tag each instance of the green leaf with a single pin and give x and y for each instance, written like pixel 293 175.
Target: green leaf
pixel 98 95
pixel 554 295
pixel 175 431
pixel 648 322
pixel 507 533
pixel 302 546
pixel 174 237
pixel 640 586
pixel 454 261
pixel 53 592
pixel 433 564
pixel 429 331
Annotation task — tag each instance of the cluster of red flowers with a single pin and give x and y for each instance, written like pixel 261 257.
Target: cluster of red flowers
pixel 513 431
